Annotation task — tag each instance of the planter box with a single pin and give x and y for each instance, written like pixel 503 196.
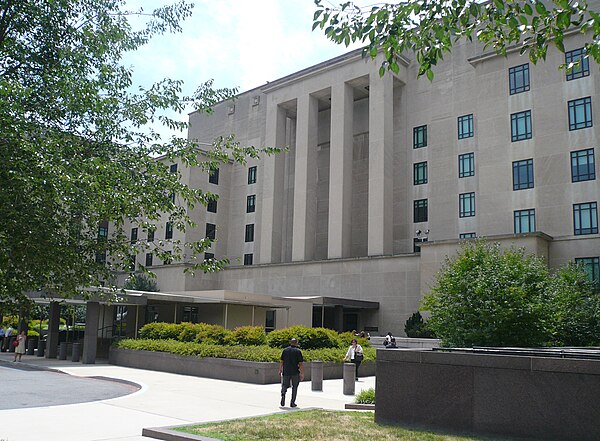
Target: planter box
pixel 543 398
pixel 220 368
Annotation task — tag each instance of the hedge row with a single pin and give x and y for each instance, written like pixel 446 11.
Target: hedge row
pixel 262 353
pixel 310 338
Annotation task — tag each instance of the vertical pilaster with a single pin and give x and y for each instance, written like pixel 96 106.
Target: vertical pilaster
pixel 53 330
pixel 90 339
pixel 272 184
pixel 340 171
pixel 305 180
pixel 381 160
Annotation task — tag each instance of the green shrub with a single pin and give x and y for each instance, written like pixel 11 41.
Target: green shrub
pixel 160 331
pixel 212 334
pixel 247 336
pixel 32 334
pixel 366 396
pixel 415 327
pixel 309 338
pixel 189 331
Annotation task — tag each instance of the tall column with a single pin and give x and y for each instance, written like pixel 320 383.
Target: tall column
pixel 381 167
pixel 272 183
pixel 340 171
pixel 90 339
pixel 53 330
pixel 305 180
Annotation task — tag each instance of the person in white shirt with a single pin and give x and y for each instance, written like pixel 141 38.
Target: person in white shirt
pixel 355 355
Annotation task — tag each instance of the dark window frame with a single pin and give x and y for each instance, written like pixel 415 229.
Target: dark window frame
pixel 420 173
pixel 252 171
pixel 515 133
pixel 211 207
pixel 463 209
pixel 149 259
pixel 523 180
pixel 248 259
pixel 583 171
pixel 519 215
pixel 213 176
pixel 466 159
pixel 471 235
pixel 574 107
pixel 251 203
pixel 584 210
pixel 134 235
pixel 249 234
pixel 465 126
pixel 420 137
pixel 518 79
pixel 420 210
pixel 582 69
pixel 169 230
pixel 211 231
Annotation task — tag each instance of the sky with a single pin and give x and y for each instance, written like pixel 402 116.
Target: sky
pixel 238 43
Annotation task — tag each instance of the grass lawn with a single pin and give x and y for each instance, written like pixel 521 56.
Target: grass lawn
pixel 314 425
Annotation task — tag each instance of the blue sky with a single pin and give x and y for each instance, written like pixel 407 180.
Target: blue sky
pixel 238 43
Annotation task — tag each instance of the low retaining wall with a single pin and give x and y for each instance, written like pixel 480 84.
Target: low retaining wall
pixel 220 368
pixel 506 395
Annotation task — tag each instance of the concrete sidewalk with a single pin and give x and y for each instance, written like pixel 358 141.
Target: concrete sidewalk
pixel 164 399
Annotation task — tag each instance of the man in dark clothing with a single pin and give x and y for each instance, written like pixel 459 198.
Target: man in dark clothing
pixel 291 370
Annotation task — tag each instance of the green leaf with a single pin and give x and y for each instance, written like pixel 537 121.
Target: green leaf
pixel 429 74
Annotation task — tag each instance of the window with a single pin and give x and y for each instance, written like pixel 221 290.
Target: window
pixel 211 231
pixel 518 79
pixel 420 173
pixel 190 314
pixel 103 230
pixel 582 69
pixel 465 126
pixel 150 235
pixel 591 265
pixel 583 167
pixel 251 203
pixel 466 204
pixel 585 218
pixel 420 210
pixel 211 207
pixel 134 235
pixel 249 233
pixel 580 113
pixel 213 176
pixel 270 320
pixel 101 257
pixel 252 175
pixel 149 258
pixel 168 258
pixel 523 174
pixel 520 126
pixel 466 165
pixel 467 235
pixel 419 137
pixel 209 256
pixel 169 231
pixel 172 197
pixel 247 259
pixel 524 221
pixel 173 168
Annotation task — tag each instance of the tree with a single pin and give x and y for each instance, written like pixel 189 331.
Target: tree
pixel 430 28
pixel 140 282
pixel 417 328
pixel 486 296
pixel 77 147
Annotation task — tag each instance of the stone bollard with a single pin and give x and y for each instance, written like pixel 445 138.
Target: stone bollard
pixel 316 375
pixel 349 378
pixel 62 350
pixel 31 344
pixel 41 348
pixel 76 352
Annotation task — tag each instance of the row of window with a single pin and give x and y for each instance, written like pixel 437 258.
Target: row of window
pixel 585 215
pixel 583 168
pixel 213 176
pixel 519 79
pixel 580 117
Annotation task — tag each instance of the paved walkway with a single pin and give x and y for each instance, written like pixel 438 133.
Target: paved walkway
pixel 163 399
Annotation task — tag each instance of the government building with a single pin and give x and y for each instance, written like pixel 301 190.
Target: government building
pixel 381 179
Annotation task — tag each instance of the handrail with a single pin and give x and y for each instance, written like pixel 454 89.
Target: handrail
pixel 592 353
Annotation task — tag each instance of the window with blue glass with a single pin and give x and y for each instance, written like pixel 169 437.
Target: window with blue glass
pixel 523 174
pixel 420 173
pixel 581 64
pixel 466 205
pixel 583 167
pixel 518 79
pixel 211 207
pixel 585 218
pixel 419 137
pixel 580 113
pixel 520 126
pixel 466 165
pixel 467 235
pixel 591 266
pixel 420 210
pixel 524 221
pixel 465 126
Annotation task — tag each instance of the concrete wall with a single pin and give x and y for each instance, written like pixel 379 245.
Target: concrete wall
pixel 506 396
pixel 220 368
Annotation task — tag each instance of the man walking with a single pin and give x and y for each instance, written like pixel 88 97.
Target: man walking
pixel 291 370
